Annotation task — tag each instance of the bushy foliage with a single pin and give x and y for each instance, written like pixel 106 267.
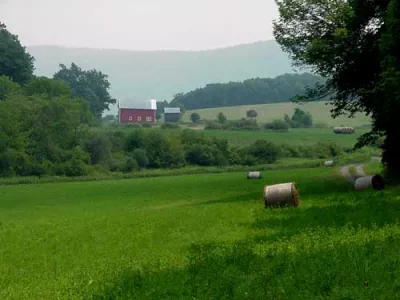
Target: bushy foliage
pixel 213 126
pixel 280 125
pixel 195 117
pixel 221 118
pixel 243 124
pixel 169 126
pixel 140 156
pixel 7 87
pixel 251 113
pixel 301 119
pixel 264 151
pixel 147 125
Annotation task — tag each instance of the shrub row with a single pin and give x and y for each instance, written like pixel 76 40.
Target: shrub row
pixel 138 149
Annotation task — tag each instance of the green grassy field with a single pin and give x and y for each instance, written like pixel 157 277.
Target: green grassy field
pixel 270 112
pixel 199 237
pixel 308 136
pixel 298 136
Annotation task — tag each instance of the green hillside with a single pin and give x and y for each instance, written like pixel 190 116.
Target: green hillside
pixel 269 112
pixel 162 74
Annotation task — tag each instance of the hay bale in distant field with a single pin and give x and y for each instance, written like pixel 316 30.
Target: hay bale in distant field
pixel 366 182
pixel 254 175
pixel 329 163
pixel 343 130
pixel 284 194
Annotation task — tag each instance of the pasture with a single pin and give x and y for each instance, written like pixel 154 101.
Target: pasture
pixel 199 237
pixel 269 112
pixel 295 137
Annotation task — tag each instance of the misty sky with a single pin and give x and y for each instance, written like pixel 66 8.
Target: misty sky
pixel 139 24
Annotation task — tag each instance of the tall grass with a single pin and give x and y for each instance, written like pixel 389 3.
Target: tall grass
pixel 199 237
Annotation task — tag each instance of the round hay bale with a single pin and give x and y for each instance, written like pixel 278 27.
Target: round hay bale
pixel 329 163
pixel 254 175
pixel 284 194
pixel 344 130
pixel 366 182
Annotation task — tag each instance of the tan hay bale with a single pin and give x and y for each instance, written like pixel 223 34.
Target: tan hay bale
pixel 366 182
pixel 254 175
pixel 284 194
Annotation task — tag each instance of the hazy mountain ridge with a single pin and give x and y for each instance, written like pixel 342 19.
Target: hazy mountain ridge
pixel 161 74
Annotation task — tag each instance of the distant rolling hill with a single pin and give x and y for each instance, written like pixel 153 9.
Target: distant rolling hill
pixel 269 112
pixel 141 75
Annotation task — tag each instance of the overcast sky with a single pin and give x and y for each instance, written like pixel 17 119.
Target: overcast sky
pixel 139 24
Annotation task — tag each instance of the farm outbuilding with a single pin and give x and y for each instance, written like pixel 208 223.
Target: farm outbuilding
pixel 144 112
pixel 172 114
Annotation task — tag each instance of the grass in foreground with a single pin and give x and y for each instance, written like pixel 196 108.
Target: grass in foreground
pixel 198 237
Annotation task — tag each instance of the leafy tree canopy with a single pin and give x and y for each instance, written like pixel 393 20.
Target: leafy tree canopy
pixel 356 45
pixel 251 113
pixel 91 85
pixel 47 87
pixel 15 61
pixel 221 118
pixel 195 117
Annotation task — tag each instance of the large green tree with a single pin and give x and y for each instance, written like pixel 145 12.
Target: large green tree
pixel 15 62
pixel 355 44
pixel 91 85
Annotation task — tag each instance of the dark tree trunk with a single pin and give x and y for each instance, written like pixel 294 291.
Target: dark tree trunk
pixel 391 154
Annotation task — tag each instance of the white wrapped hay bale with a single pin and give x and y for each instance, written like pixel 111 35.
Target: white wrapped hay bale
pixel 254 175
pixel 376 182
pixel 284 194
pixel 329 163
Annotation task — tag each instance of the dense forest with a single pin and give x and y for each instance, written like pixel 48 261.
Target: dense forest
pixel 252 91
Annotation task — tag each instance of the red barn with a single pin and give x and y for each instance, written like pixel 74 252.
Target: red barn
pixel 138 115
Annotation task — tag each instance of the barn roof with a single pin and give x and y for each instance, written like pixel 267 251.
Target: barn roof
pixel 134 104
pixel 172 110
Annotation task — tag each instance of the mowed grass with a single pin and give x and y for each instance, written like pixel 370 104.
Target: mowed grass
pixel 199 237
pixel 270 112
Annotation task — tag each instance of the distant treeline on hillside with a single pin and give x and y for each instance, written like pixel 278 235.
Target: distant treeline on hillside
pixel 252 91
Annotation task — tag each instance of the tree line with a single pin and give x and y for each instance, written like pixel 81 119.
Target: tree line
pixel 252 91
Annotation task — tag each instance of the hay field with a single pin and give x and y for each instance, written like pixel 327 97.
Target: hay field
pixel 270 112
pixel 198 237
